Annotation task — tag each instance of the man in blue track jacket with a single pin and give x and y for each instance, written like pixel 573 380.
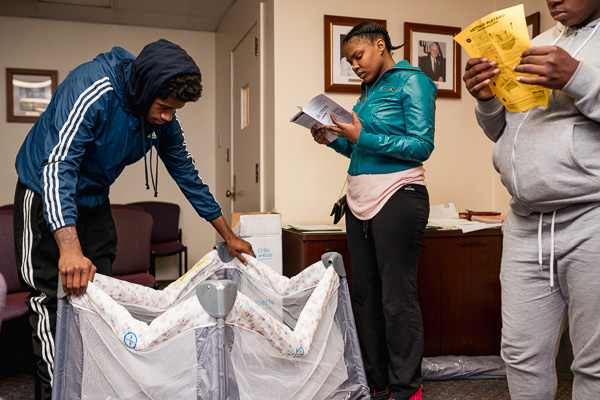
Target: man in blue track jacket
pixel 107 114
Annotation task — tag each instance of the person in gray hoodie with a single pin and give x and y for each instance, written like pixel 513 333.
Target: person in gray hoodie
pixel 549 160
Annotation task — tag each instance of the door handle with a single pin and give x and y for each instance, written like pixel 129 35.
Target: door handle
pixel 231 193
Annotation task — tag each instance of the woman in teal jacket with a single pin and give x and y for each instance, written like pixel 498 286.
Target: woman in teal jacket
pixel 389 139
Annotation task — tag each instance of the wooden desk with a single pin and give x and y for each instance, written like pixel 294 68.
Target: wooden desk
pixel 459 285
pixel 301 250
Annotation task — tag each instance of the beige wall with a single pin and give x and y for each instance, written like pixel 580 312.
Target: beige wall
pixel 42 44
pixel 309 177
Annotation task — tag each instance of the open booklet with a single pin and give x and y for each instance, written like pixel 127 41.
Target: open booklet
pixel 317 112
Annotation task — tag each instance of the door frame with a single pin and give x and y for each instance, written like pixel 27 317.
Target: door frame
pixel 239 20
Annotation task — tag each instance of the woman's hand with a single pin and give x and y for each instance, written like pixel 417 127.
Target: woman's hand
pixel 349 131
pixel 478 73
pixel 318 135
pixel 554 66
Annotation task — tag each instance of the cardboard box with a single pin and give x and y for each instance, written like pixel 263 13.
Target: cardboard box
pixel 263 231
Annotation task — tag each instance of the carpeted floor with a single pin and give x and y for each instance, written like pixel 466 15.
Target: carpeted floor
pixel 21 387
pixel 489 389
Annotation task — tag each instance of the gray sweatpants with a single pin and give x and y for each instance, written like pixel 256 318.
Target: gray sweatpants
pixel 534 315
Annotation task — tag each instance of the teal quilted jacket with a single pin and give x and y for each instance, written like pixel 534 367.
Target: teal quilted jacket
pixel 397 113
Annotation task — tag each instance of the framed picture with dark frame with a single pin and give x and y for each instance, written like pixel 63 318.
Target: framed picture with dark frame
pixel 339 76
pixel 28 92
pixel 533 24
pixel 433 49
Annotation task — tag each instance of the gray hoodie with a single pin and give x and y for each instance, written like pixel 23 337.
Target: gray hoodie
pixel 549 157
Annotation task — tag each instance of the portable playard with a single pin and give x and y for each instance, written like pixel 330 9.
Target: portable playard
pixel 224 330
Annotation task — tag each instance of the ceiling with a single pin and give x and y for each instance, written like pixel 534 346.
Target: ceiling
pixel 195 15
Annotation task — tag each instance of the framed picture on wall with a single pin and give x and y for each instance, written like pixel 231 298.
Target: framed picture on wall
pixel 533 24
pixel 339 76
pixel 432 48
pixel 28 92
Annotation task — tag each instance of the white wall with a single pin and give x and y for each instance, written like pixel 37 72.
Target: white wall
pixel 309 177
pixel 60 45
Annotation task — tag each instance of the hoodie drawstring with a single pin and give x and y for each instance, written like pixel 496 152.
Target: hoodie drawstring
pixel 551 247
pixel 144 153
pixel 154 176
pixel 586 40
pixel 154 182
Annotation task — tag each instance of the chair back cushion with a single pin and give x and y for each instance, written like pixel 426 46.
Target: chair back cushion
pixel 134 230
pixel 2 295
pixel 8 263
pixel 126 206
pixel 166 220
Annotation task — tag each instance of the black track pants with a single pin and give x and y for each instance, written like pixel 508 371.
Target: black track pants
pixel 37 259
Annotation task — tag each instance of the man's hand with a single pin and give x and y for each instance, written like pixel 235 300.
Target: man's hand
pixel 235 245
pixel 554 66
pixel 478 73
pixel 75 269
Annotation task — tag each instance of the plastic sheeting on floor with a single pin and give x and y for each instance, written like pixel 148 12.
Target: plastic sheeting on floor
pixel 463 367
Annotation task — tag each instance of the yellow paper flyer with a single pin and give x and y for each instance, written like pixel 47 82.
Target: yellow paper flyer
pixel 502 36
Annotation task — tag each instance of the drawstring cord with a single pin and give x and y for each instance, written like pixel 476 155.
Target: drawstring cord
pixel 154 181
pixel 586 40
pixel 552 251
pixel 540 261
pixel 540 243
pixel 144 152
pixel 154 176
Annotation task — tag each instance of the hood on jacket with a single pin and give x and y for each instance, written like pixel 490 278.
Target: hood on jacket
pixel 157 62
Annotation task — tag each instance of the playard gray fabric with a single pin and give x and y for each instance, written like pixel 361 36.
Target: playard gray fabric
pixel 303 351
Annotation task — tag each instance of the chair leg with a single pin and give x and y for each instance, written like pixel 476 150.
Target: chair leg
pixel 152 270
pixel 180 265
pixel 185 266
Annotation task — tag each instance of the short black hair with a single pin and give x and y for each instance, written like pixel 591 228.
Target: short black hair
pixel 182 87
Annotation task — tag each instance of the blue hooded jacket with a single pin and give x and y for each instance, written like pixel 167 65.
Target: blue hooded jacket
pixel 95 126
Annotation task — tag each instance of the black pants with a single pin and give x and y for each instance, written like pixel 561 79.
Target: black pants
pixel 37 257
pixel 384 252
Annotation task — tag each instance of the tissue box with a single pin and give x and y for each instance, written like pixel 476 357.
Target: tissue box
pixel 263 232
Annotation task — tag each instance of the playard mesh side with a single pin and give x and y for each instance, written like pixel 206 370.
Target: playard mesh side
pixel 285 338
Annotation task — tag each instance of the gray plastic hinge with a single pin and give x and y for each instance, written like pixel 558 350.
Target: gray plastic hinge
pixel 60 293
pixel 335 259
pixel 217 297
pixel 224 254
